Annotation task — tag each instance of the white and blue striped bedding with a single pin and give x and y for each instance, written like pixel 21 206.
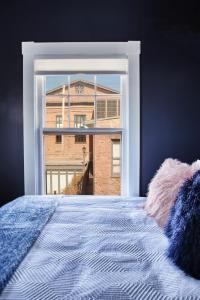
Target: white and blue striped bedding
pixel 94 248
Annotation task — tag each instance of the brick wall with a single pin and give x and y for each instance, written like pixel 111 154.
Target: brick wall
pixel 104 182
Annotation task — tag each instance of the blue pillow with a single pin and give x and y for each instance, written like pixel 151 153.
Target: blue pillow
pixel 183 228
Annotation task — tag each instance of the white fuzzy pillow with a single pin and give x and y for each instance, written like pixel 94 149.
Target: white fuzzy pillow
pixel 164 187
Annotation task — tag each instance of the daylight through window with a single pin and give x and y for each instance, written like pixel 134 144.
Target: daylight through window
pixel 82 163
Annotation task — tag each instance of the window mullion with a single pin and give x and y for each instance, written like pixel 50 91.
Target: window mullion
pixel 95 99
pixel 68 98
pixel 82 131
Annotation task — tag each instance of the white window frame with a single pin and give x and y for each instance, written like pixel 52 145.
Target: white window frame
pixel 130 110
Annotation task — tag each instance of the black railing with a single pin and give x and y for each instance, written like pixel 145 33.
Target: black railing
pixel 83 183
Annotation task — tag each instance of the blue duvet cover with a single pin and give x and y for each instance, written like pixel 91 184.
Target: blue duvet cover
pixel 94 248
pixel 21 222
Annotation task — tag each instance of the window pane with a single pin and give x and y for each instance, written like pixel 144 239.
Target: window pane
pixel 55 182
pixel 101 108
pixel 79 121
pixel 56 101
pixel 116 150
pixel 115 157
pixel 82 168
pixel 80 139
pixel 116 162
pixel 109 82
pixel 107 113
pixel 109 90
pixel 112 108
pixel 116 169
pixel 48 183
pixel 82 111
pixel 59 122
pixel 95 98
pixel 70 177
pixel 63 181
pixel 58 139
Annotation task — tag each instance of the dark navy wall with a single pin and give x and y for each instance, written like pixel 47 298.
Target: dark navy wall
pixel 170 66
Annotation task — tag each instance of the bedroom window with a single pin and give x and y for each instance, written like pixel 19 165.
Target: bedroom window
pixel 86 97
pixel 91 152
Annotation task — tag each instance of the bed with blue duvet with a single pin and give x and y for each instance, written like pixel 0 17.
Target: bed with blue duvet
pixel 58 248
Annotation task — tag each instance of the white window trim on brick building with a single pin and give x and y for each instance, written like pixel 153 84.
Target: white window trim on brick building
pixel 48 53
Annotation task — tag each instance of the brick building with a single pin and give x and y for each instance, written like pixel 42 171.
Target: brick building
pixel 82 164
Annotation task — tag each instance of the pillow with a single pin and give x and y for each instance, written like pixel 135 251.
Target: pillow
pixel 196 165
pixel 164 188
pixel 183 228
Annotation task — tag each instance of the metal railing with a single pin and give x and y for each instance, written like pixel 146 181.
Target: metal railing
pixel 83 184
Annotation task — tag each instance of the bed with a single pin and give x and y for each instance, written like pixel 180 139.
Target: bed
pixel 98 248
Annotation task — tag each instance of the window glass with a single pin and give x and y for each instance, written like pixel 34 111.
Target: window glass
pixel 55 182
pixel 80 138
pixel 79 121
pixel 59 123
pixel 48 183
pixel 82 163
pixel 70 176
pixel 101 108
pixel 96 97
pixel 116 149
pixel 58 139
pixel 83 169
pixel 62 181
pixel 111 108
pixel 116 157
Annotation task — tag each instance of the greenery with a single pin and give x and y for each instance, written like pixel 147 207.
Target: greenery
pixel 73 187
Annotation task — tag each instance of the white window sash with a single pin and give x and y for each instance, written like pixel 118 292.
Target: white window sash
pixel 33 110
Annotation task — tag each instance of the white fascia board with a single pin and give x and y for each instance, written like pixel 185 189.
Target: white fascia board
pixel 81 48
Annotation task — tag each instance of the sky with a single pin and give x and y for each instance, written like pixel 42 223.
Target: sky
pixel 110 81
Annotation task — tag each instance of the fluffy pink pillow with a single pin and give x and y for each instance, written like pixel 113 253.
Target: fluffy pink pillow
pixel 164 187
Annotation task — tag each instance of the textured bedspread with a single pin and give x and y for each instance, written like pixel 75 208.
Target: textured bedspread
pixel 99 249
pixel 21 222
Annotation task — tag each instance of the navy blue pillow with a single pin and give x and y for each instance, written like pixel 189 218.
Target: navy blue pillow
pixel 183 228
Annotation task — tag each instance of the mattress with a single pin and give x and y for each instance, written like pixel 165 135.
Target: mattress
pixel 99 248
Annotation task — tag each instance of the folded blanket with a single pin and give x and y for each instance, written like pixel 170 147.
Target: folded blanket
pixel 21 221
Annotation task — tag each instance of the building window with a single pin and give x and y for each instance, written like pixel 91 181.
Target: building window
pixel 111 108
pixel 79 121
pixel 58 139
pixel 108 108
pixel 115 158
pixel 101 109
pixel 57 180
pixel 80 139
pixel 59 122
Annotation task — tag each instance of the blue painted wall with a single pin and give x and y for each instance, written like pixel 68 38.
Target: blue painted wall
pixel 170 66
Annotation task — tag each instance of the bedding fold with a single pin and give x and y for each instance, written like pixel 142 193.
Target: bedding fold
pixel 21 222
